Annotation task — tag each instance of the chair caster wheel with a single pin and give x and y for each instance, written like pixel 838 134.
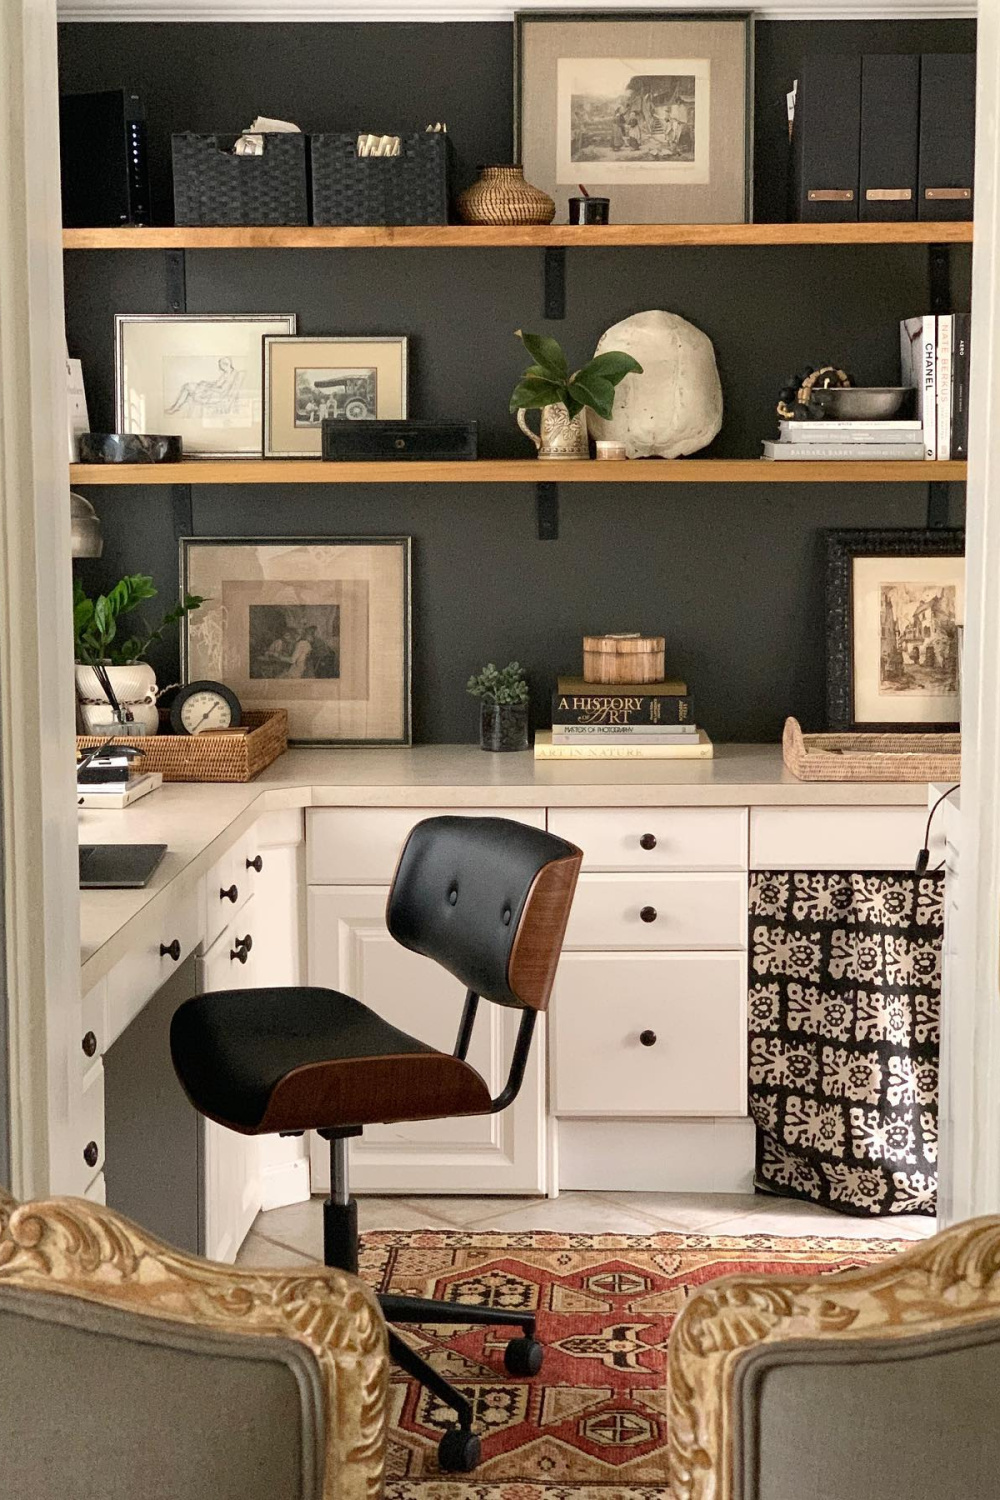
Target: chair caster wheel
pixel 523 1356
pixel 458 1451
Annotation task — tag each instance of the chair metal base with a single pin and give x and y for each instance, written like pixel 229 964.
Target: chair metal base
pixel 459 1448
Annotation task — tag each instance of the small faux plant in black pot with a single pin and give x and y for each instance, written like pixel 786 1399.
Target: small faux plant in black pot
pixel 503 708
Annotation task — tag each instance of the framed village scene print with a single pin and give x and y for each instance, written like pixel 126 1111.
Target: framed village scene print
pixel 651 111
pixel 307 379
pixel 320 628
pixel 196 376
pixel 895 611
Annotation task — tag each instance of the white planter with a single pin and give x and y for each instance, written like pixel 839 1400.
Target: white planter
pixel 135 689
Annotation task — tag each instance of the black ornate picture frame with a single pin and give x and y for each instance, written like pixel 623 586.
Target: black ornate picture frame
pixel 899 644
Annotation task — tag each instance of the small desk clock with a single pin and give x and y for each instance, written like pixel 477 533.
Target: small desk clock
pixel 204 705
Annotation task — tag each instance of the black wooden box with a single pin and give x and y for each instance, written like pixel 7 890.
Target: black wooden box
pixel 377 442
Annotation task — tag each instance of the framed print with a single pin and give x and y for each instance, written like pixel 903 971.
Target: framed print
pixel 318 627
pixel 895 607
pixel 196 376
pixel 307 379
pixel 651 111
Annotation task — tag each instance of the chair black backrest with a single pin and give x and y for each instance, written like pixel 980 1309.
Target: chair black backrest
pixel 488 899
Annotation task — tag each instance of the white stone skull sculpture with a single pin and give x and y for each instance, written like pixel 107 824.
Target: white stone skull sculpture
pixel 675 405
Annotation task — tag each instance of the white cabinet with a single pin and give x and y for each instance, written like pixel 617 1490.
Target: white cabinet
pixel 695 910
pixel 838 838
pixel 231 1162
pixel 350 950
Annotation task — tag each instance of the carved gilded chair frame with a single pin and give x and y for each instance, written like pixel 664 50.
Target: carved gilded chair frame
pixel 70 1247
pixel 947 1282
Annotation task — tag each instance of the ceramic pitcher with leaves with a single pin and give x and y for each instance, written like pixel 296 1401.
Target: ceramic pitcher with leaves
pixel 562 397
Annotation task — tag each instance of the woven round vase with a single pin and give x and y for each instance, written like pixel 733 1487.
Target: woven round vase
pixel 500 195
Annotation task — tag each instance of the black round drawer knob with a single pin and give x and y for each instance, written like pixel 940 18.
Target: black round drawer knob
pixel 246 942
pixel 647 1038
pixel 89 1044
pixel 648 841
pixel 255 864
pixel 171 950
pixel 91 1154
pixel 240 954
pixel 648 914
pixel 233 894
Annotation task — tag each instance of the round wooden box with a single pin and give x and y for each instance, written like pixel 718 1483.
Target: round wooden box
pixel 623 658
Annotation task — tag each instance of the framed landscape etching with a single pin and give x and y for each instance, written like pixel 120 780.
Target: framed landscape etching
pixel 318 627
pixel 895 607
pixel 651 111
pixel 309 378
pixel 196 376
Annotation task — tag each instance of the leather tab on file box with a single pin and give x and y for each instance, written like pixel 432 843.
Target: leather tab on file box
pixel 946 195
pixel 830 195
pixel 888 195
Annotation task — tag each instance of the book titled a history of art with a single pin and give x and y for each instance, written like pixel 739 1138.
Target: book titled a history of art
pixel 654 703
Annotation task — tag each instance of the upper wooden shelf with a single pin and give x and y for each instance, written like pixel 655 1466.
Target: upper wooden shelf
pixel 464 236
pixel 516 471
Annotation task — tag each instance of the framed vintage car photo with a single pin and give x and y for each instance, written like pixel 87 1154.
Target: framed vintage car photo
pixel 307 379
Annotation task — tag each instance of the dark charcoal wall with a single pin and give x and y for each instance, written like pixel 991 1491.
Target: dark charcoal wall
pixel 730 574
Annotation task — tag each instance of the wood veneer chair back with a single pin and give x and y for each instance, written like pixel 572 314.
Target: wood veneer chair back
pixel 488 899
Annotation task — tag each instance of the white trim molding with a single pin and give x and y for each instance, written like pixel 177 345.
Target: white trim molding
pixel 238 11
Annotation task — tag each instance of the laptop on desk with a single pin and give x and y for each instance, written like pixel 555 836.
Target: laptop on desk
pixel 118 866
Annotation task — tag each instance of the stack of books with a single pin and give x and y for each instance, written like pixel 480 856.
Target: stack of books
pixel 934 356
pixel 109 795
pixel 847 441
pixel 621 721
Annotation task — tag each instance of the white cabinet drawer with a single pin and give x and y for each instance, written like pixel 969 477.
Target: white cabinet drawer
pixel 92 1042
pixel 659 911
pixel 693 1004
pixel 141 972
pixel 228 884
pixel 360 846
pixel 837 838
pixel 87 1129
pixel 655 838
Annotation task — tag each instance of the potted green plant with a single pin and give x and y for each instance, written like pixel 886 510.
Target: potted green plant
pixel 503 706
pixel 103 659
pixel 563 395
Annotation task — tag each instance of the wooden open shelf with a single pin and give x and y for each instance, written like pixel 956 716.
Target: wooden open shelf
pixel 517 471
pixel 464 236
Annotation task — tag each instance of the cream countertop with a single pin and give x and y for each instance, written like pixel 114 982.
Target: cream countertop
pixel 199 822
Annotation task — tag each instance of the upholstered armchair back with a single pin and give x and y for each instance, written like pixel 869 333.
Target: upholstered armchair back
pixel 131 1370
pixel 876 1384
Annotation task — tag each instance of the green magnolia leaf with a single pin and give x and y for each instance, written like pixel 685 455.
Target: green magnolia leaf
pixel 612 366
pixel 545 352
pixel 591 390
pixel 573 404
pixel 531 394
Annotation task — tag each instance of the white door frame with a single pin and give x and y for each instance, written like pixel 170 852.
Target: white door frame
pixel 970 1164
pixel 41 900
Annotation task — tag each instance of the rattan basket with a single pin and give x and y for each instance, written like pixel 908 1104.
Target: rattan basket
pixel 209 757
pixel 871 757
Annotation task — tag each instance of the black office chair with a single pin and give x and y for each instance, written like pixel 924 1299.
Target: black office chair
pixel 487 899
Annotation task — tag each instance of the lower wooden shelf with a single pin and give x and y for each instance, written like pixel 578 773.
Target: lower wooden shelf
pixel 517 471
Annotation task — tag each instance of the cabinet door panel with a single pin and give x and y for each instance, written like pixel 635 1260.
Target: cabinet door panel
pixel 361 845
pixel 659 911
pixel 350 950
pixel 231 1162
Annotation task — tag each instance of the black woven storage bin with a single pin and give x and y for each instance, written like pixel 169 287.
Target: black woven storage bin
pixel 411 188
pixel 211 186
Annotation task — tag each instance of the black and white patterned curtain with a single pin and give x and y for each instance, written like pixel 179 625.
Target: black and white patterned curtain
pixel 845 991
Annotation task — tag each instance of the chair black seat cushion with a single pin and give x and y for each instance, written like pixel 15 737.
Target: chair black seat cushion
pixel 308 1058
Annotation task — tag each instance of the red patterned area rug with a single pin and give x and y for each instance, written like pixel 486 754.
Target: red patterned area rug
pixel 592 1424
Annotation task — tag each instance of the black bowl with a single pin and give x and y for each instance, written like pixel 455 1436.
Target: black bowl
pixel 129 448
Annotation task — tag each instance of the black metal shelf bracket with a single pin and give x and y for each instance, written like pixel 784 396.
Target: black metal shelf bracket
pixel 183 508
pixel 554 301
pixel 939 285
pixel 547 505
pixel 176 269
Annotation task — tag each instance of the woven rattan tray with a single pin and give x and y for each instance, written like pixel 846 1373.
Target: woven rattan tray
pixel 871 757
pixel 209 757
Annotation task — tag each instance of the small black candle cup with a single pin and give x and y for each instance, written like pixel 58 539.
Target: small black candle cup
pixel 589 210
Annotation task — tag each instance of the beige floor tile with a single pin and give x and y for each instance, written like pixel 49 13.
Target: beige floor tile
pixel 686 1213
pixel 804 1218
pixel 299 1226
pixel 258 1251
pixel 585 1213
pixel 401 1213
pixel 467 1213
